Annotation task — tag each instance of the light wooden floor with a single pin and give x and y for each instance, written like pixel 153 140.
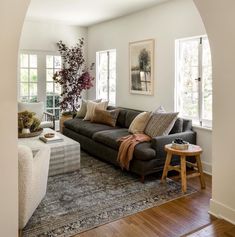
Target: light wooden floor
pixel 187 216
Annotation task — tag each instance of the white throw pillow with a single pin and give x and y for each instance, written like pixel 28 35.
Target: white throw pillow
pixel 139 123
pixel 81 113
pixel 160 109
pixel 91 106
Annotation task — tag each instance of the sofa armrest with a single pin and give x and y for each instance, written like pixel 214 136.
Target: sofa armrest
pixel 158 143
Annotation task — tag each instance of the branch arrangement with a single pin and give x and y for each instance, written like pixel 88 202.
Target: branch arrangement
pixel 74 77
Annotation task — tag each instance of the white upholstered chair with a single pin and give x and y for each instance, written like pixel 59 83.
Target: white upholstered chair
pixel 47 119
pixel 33 174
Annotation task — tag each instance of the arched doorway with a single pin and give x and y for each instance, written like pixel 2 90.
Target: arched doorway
pixel 218 18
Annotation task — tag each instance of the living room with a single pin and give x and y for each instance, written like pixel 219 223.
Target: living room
pixel 168 27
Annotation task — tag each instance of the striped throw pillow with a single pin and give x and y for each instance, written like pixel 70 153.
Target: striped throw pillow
pixel 160 124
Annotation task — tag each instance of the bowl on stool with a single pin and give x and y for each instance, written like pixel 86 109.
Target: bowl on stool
pixel 178 146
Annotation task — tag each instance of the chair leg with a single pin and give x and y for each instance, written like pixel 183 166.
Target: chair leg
pixel 183 173
pixel 201 177
pixel 167 163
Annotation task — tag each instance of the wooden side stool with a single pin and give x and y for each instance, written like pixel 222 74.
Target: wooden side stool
pixel 193 150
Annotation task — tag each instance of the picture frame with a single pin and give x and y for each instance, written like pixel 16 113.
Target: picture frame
pixel 141 67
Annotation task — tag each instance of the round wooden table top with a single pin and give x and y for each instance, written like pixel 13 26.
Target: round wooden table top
pixel 192 150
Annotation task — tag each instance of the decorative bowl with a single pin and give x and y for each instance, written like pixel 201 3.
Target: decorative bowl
pixel 178 146
pixel 49 135
pixel 32 134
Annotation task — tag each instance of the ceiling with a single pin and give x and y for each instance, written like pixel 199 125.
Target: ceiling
pixel 84 12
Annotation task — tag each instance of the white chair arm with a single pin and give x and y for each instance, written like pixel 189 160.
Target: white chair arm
pixel 33 174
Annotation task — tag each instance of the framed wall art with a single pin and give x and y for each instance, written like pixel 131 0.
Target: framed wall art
pixel 141 56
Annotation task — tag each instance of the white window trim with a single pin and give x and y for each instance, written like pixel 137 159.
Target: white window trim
pixel 98 74
pixel 197 122
pixel 41 72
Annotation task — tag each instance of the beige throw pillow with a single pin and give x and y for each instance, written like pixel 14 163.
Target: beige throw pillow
pixel 160 124
pixel 91 106
pixel 139 123
pixel 83 109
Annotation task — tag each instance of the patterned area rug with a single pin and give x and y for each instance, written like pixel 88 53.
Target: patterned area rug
pixel 99 193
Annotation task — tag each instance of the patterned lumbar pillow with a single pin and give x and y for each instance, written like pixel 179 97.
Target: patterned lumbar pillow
pixel 91 106
pixel 108 117
pixel 83 109
pixel 139 123
pixel 160 124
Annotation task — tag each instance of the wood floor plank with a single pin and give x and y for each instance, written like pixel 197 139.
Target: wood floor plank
pixel 186 216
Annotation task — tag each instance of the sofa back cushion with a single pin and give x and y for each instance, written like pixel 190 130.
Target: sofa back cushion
pixel 121 118
pixel 187 125
pixel 130 115
pixel 178 126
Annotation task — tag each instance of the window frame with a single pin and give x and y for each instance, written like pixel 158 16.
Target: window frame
pixel 41 73
pixel 28 68
pixel 199 120
pixel 54 69
pixel 98 53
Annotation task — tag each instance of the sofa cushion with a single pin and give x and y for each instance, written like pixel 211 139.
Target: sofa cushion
pixel 178 126
pixel 143 151
pixel 85 128
pixel 110 137
pixel 121 118
pixel 130 115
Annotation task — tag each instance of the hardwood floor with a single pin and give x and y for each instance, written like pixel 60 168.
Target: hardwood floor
pixel 187 216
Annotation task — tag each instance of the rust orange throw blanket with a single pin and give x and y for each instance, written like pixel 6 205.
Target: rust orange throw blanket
pixel 126 149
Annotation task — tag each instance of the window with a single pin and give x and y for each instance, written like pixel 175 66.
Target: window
pixel 53 90
pixel 106 75
pixel 35 79
pixel 194 80
pixel 28 77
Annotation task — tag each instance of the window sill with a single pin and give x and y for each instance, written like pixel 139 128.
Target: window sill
pixel 203 128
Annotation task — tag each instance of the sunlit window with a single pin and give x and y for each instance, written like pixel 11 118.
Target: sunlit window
pixel 53 90
pixel 106 75
pixel 28 78
pixel 194 80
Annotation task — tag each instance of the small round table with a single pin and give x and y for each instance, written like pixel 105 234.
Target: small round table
pixel 193 150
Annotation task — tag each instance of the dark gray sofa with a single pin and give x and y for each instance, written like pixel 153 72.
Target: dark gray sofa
pixel 101 141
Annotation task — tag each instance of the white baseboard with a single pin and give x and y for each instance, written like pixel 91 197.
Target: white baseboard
pixel 207 167
pixel 222 211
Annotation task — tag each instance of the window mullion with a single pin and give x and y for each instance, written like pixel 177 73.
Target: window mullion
pixel 108 74
pixel 200 95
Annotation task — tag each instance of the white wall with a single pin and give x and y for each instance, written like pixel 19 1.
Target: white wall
pixel 12 14
pixel 221 32
pixel 165 23
pixel 44 36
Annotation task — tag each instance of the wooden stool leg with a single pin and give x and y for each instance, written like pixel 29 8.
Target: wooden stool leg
pixel 199 166
pixel 167 163
pixel 183 174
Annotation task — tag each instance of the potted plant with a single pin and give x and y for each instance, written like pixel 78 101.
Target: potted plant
pixel 74 77
pixel 27 122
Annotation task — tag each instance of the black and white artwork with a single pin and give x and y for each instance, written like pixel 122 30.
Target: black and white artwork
pixel 141 55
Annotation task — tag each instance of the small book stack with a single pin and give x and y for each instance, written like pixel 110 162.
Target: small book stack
pixel 51 140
